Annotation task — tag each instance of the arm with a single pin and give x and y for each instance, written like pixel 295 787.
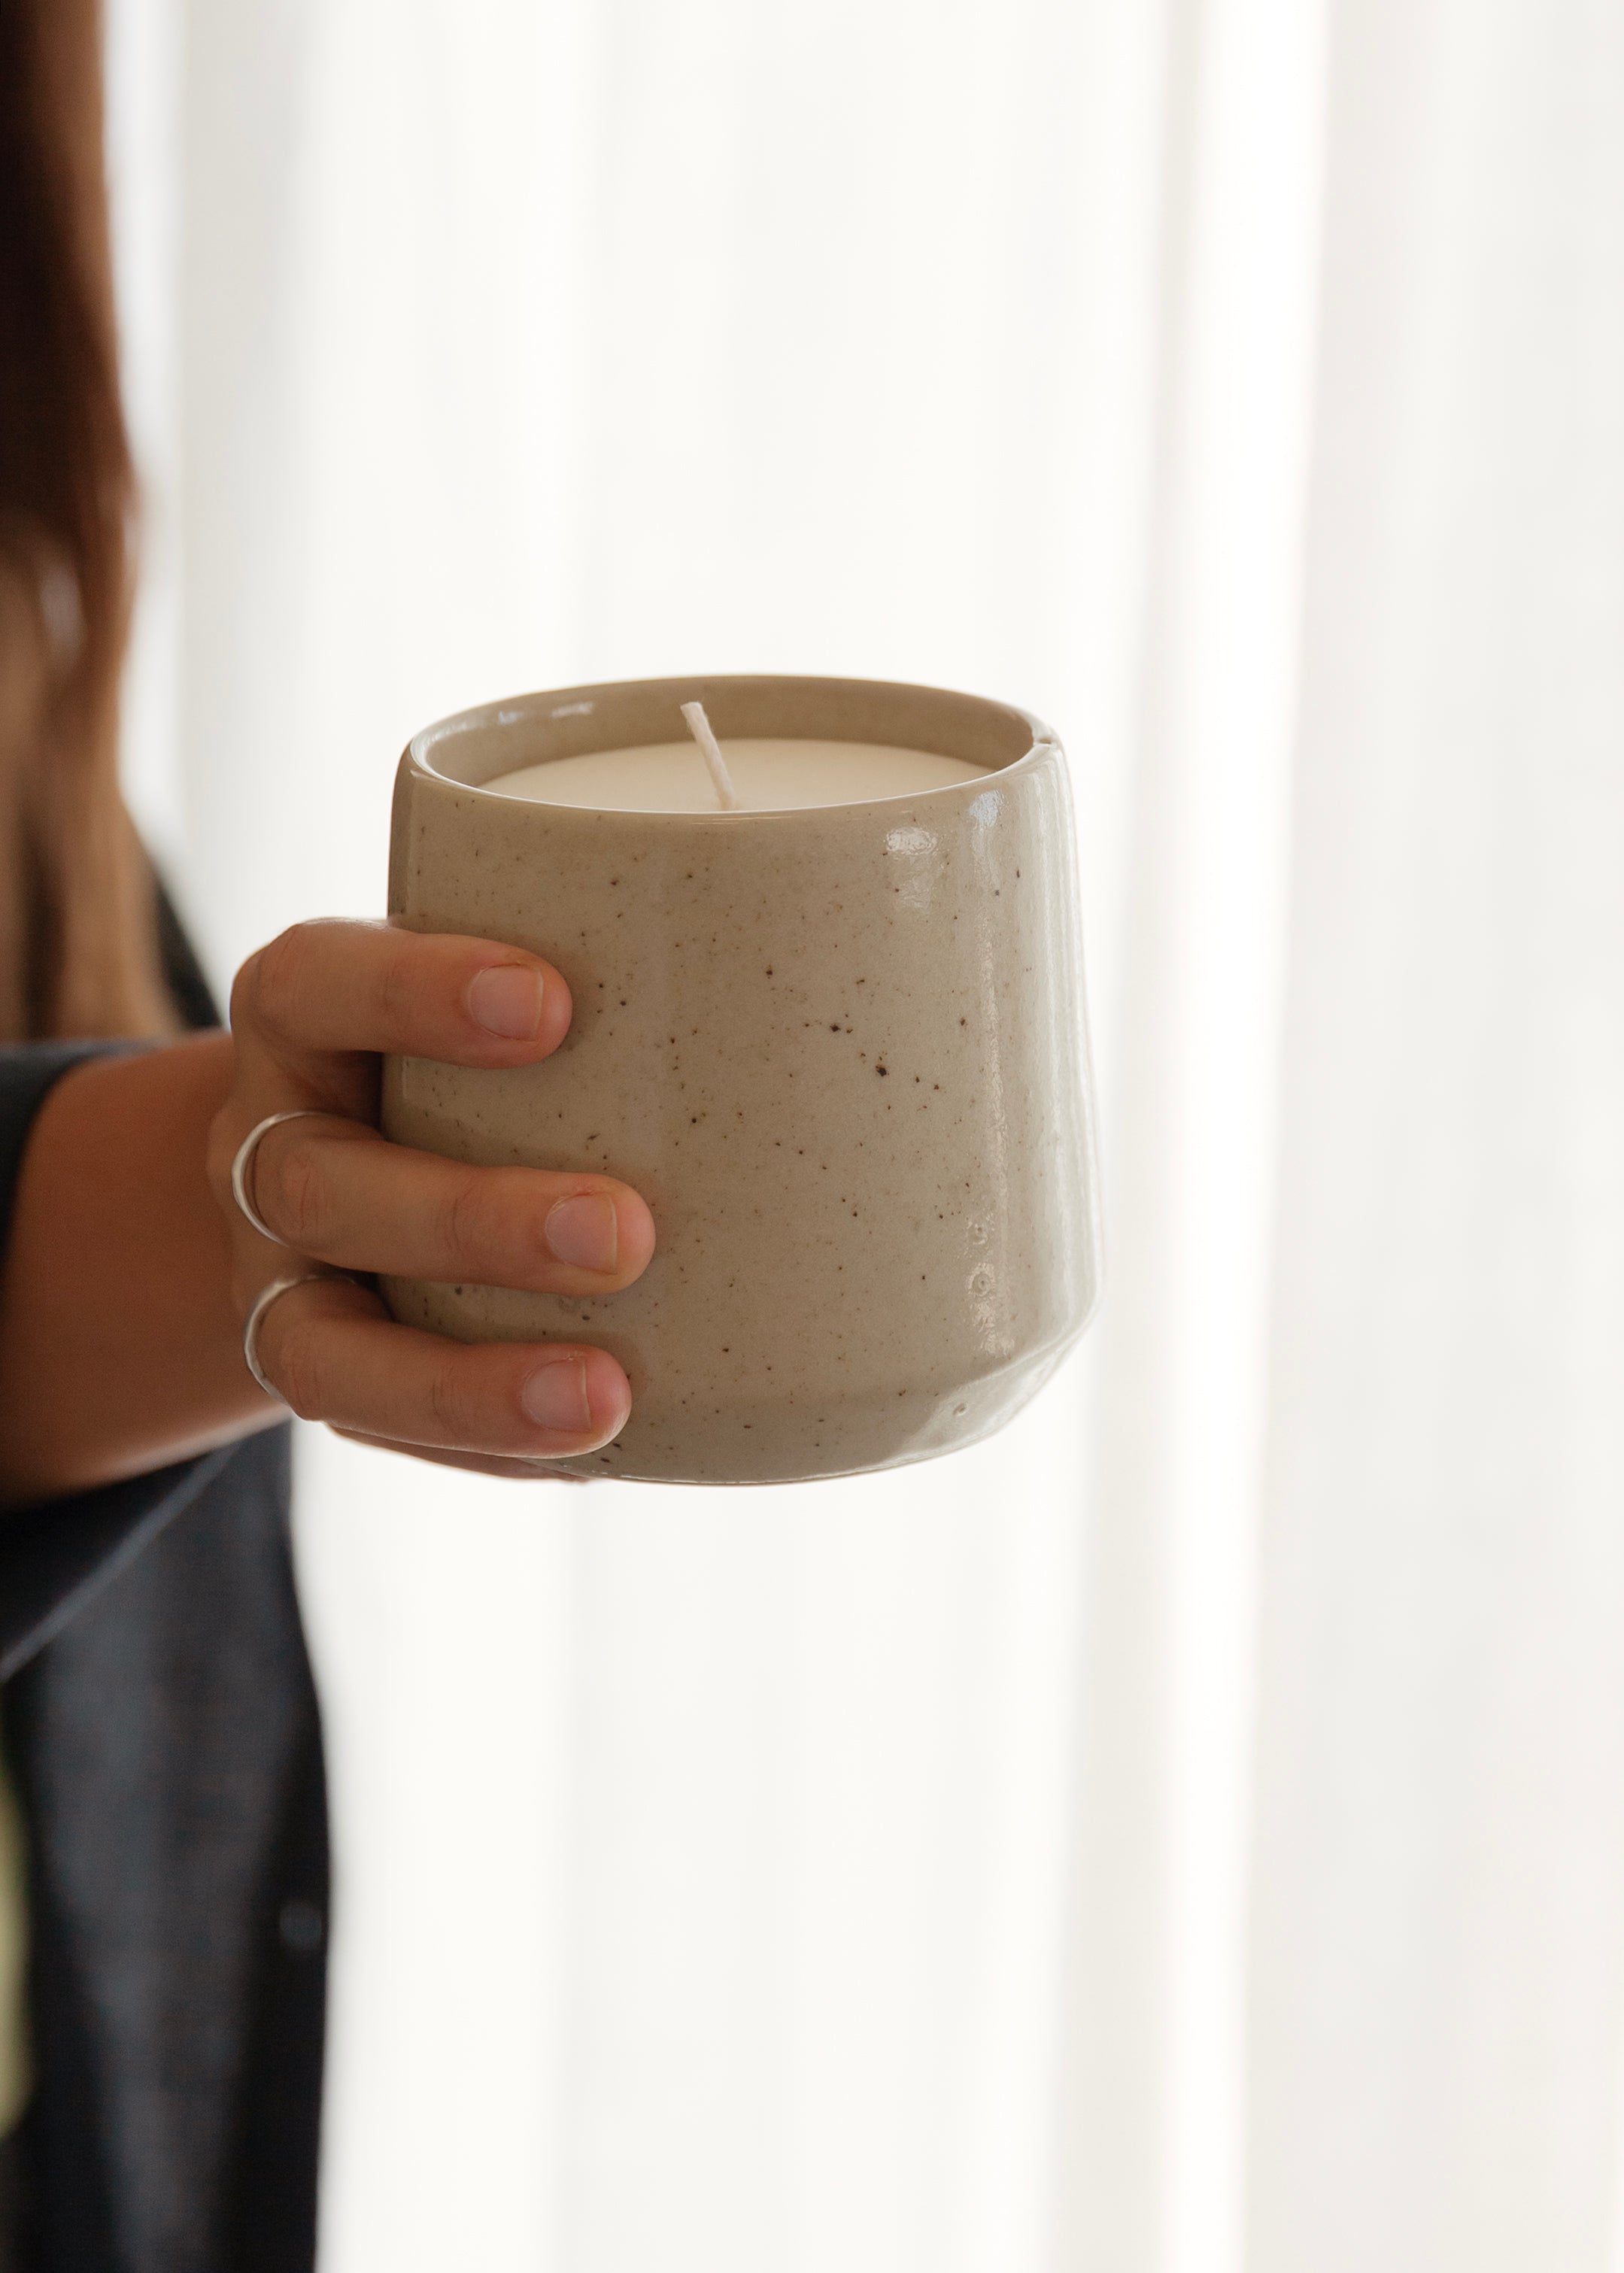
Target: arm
pixel 118 1347
pixel 129 1268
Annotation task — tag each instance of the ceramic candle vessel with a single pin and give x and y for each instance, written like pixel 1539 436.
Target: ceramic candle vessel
pixel 841 1051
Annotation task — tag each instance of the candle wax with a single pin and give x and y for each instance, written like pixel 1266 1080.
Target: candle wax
pixel 769 775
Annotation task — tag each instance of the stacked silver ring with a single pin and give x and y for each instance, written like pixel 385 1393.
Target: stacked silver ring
pixel 242 1168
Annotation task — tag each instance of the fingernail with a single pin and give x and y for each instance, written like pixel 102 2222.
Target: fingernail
pixel 554 1395
pixel 507 1000
pixel 585 1231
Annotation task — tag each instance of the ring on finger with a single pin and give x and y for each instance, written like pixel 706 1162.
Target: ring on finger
pixel 262 1303
pixel 241 1166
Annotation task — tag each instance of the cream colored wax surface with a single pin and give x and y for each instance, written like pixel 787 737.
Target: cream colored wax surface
pixel 770 775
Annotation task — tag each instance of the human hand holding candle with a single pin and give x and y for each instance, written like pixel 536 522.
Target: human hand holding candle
pixel 833 1038
pixel 132 1267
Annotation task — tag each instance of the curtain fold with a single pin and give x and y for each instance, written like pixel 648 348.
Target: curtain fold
pixel 1439 1888
pixel 1184 1835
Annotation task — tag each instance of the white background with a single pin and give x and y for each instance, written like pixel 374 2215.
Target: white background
pixel 1186 1836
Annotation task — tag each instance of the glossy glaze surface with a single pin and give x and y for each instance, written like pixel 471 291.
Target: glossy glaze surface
pixel 841 1051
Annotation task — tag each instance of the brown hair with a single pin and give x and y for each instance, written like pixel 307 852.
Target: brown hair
pixel 78 938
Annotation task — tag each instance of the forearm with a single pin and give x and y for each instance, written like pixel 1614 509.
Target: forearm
pixel 119 1346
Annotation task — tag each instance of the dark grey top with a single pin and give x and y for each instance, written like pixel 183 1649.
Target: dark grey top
pixel 162 1733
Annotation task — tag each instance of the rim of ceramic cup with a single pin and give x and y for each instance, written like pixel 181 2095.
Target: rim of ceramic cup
pixel 597 705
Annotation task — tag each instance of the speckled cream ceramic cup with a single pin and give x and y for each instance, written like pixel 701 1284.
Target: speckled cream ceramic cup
pixel 841 1051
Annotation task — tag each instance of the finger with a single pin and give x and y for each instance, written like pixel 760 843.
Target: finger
pixel 335 1355
pixel 341 987
pixel 335 1190
pixel 519 1471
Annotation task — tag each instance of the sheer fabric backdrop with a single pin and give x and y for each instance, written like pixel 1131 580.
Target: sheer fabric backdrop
pixel 1187 1835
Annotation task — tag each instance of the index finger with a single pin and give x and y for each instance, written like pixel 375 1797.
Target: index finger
pixel 335 986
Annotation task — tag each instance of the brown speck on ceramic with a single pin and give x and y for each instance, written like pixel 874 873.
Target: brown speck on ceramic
pixel 734 930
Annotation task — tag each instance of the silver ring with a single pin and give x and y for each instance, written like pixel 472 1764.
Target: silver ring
pixel 262 1303
pixel 242 1167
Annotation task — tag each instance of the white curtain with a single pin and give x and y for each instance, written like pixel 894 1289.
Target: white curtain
pixel 1185 1836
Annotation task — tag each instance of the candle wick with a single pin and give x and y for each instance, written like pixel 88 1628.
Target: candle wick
pixel 721 780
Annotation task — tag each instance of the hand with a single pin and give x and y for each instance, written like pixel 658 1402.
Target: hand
pixel 311 1014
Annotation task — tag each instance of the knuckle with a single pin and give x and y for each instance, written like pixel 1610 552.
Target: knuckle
pixel 293 1191
pixel 296 1366
pixel 267 984
pixel 466 1228
pixel 451 1408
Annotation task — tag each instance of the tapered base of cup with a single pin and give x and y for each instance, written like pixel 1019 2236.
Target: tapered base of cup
pixel 714 1436
pixel 769 1448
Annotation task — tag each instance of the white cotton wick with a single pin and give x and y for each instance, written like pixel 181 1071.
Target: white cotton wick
pixel 721 780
